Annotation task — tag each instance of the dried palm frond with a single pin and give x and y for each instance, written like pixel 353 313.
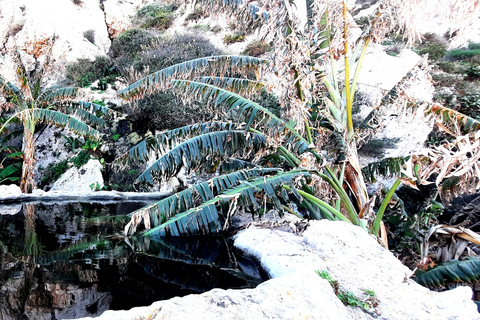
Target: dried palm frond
pixel 451 242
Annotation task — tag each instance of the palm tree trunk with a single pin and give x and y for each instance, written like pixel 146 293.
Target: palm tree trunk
pixel 27 183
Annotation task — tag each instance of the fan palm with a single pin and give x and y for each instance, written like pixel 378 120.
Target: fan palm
pixel 55 106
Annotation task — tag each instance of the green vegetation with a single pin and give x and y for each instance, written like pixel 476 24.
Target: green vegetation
pixel 232 38
pixel 257 48
pixel 90 35
pixel 197 14
pixel 83 72
pixel 155 16
pixel 34 104
pixel 347 297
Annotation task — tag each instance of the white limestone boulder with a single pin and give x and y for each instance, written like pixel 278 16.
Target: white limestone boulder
pixel 81 180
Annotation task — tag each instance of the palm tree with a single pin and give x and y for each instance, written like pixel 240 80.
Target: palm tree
pixel 55 106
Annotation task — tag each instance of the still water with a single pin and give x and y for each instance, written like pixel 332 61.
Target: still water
pixel 69 260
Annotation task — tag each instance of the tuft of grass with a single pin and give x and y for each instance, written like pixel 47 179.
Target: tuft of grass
pixel 232 38
pixel 257 48
pixel 90 35
pixel 197 14
pixel 347 297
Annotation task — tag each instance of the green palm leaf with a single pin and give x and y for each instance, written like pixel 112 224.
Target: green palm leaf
pixel 194 152
pixel 165 141
pixel 452 271
pixel 159 212
pixel 219 64
pixel 11 90
pixel 64 120
pixel 52 95
pixel 211 217
pixel 388 167
pixel 237 85
pixel 244 108
pixel 8 172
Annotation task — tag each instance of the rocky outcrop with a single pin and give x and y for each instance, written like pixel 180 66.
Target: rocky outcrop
pixel 350 256
pixel 81 180
pixel 31 24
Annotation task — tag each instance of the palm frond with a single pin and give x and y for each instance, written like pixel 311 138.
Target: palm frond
pixel 233 164
pixel 52 95
pixel 8 172
pixel 387 167
pixel 11 90
pixel 191 68
pixel 92 107
pixel 64 120
pixel 237 85
pixel 165 141
pixel 194 152
pixel 252 112
pixel 159 212
pixel 453 271
pixel 212 216
pixel 459 123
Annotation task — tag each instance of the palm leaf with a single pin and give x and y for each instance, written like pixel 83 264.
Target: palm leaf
pixel 244 108
pixel 452 271
pixel 9 89
pixel 52 95
pixel 165 141
pixel 237 85
pixel 458 120
pixel 194 152
pixel 388 167
pixel 157 213
pixel 211 217
pixel 219 64
pixel 8 171
pixel 64 120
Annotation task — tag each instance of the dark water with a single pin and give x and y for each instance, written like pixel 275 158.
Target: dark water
pixel 69 261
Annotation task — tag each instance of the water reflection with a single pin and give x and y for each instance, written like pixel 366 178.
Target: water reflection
pixel 58 262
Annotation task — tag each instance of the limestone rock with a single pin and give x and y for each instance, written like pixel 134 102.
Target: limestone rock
pixel 353 258
pixel 32 23
pixel 80 179
pixel 349 254
pixel 300 295
pixel 9 190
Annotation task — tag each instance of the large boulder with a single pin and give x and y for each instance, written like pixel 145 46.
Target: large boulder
pixel 350 256
pixel 81 180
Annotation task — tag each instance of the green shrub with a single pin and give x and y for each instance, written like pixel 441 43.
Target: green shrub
pixel 89 35
pixel 83 72
pixel 162 111
pixel 257 48
pixel 463 53
pixel 433 45
pixel 197 14
pixel 167 51
pixel 81 159
pixel 53 172
pixel 131 42
pixel 473 46
pixel 155 16
pixel 232 38
pixel 473 71
pixel 435 51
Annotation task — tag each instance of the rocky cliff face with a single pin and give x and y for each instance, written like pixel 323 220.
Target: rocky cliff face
pixel 82 28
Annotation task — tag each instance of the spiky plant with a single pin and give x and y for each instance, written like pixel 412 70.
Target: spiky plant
pixel 52 106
